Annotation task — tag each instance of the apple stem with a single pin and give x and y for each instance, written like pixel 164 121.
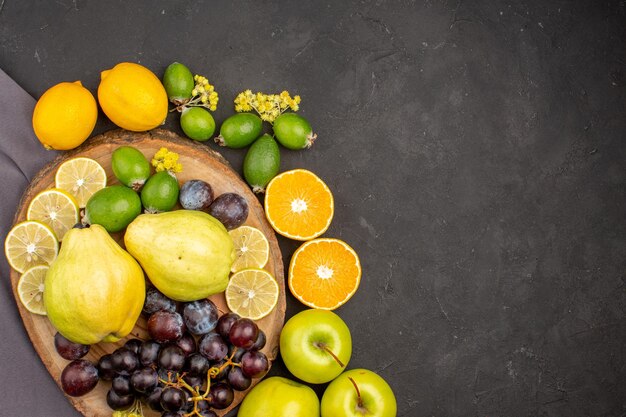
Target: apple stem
pixel 330 352
pixel 358 393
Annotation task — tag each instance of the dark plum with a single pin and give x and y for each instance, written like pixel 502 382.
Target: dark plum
pixel 166 326
pixel 119 402
pixel 157 301
pixel 106 371
pixel 196 364
pixel 221 396
pixel 172 399
pixel 243 333
pixel 254 364
pixel 200 316
pixel 79 377
pixel 172 357
pixel 231 209
pixel 238 380
pixel 149 352
pixel 187 343
pixel 144 380
pixel 212 347
pixel 224 324
pixel 121 385
pixel 68 349
pixel 124 361
pixel 195 195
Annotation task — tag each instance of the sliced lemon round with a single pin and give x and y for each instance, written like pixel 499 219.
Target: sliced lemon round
pixel 252 293
pixel 252 250
pixel 29 244
pixel 56 208
pixel 81 177
pixel 30 289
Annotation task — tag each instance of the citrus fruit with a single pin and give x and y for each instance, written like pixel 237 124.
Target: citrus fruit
pixel 65 116
pixel 252 293
pixel 132 97
pixel 261 163
pixel 130 166
pixel 197 123
pixel 30 289
pixel 239 130
pixel 29 244
pixel 293 131
pixel 299 205
pixel 113 207
pixel 56 208
pixel 81 177
pixel 324 273
pixel 251 248
pixel 160 192
pixel 178 81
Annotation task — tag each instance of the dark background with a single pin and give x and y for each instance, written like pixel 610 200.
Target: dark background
pixel 476 153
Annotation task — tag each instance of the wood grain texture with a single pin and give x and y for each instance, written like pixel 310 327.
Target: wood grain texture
pixel 199 162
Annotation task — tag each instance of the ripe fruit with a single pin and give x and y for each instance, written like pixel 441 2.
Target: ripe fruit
pixel 239 130
pixel 79 377
pixel 359 393
pixel 197 123
pixel 316 345
pixel 252 293
pixel 324 273
pixel 81 177
pixel 68 349
pixel 277 396
pixel 178 82
pixel 251 248
pixel 56 208
pixel 200 316
pixel 132 97
pixel 30 289
pixel 130 167
pixel 166 326
pixel 195 195
pixel 243 333
pixel 160 193
pixel 29 244
pixel 293 131
pixel 113 207
pixel 262 163
pixel 230 209
pixel 65 116
pixel 299 205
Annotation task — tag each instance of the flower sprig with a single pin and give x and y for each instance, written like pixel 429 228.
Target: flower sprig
pixel 135 410
pixel 268 106
pixel 165 160
pixel 202 95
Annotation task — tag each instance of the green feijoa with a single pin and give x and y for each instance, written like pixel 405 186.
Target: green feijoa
pixel 113 207
pixel 160 192
pixel 261 163
pixel 293 131
pixel 197 123
pixel 178 82
pixel 130 167
pixel 239 130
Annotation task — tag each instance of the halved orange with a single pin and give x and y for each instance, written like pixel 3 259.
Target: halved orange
pixel 299 205
pixel 324 273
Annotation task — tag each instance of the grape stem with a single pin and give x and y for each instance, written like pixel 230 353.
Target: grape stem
pixel 323 346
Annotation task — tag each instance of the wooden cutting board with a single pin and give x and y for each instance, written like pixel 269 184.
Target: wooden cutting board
pixel 199 162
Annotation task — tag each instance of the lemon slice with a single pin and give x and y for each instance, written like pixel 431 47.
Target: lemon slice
pixel 81 177
pixel 30 243
pixel 56 208
pixel 252 293
pixel 251 248
pixel 30 289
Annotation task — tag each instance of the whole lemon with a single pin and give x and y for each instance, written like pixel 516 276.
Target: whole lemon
pixel 65 116
pixel 132 97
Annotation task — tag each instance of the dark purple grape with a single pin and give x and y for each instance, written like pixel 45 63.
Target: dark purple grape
pixel 187 343
pixel 167 375
pixel 119 402
pixel 172 399
pixel 105 368
pixel 195 381
pixel 153 399
pixel 133 344
pixel 157 301
pixel 69 350
pixel 144 380
pixel 238 380
pixel 187 404
pixel 243 333
pixel 196 364
pixel 166 326
pixel 236 358
pixel 203 405
pixel 231 209
pixel 149 352
pixel 213 347
pixel 172 357
pixel 224 324
pixel 207 413
pixel 79 377
pixel 172 414
pixel 224 370
pixel 260 341
pixel 254 364
pixel 200 316
pixel 121 385
pixel 221 396
pixel 124 361
pixel 195 195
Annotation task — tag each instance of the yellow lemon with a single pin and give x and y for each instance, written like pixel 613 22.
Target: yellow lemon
pixel 132 97
pixel 65 116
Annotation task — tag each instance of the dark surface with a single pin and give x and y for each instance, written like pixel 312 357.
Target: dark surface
pixel 476 153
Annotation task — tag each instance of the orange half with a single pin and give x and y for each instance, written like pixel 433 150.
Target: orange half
pixel 299 205
pixel 324 273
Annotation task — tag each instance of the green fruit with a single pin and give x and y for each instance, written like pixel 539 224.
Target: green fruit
pixel 186 254
pixel 197 123
pixel 160 192
pixel 178 82
pixel 261 163
pixel 239 130
pixel 130 167
pixel 94 289
pixel 280 397
pixel 293 131
pixel 113 207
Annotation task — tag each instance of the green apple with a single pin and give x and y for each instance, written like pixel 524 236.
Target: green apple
pixel 316 345
pixel 358 393
pixel 280 397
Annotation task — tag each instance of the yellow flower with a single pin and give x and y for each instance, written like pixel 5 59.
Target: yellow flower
pixel 165 160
